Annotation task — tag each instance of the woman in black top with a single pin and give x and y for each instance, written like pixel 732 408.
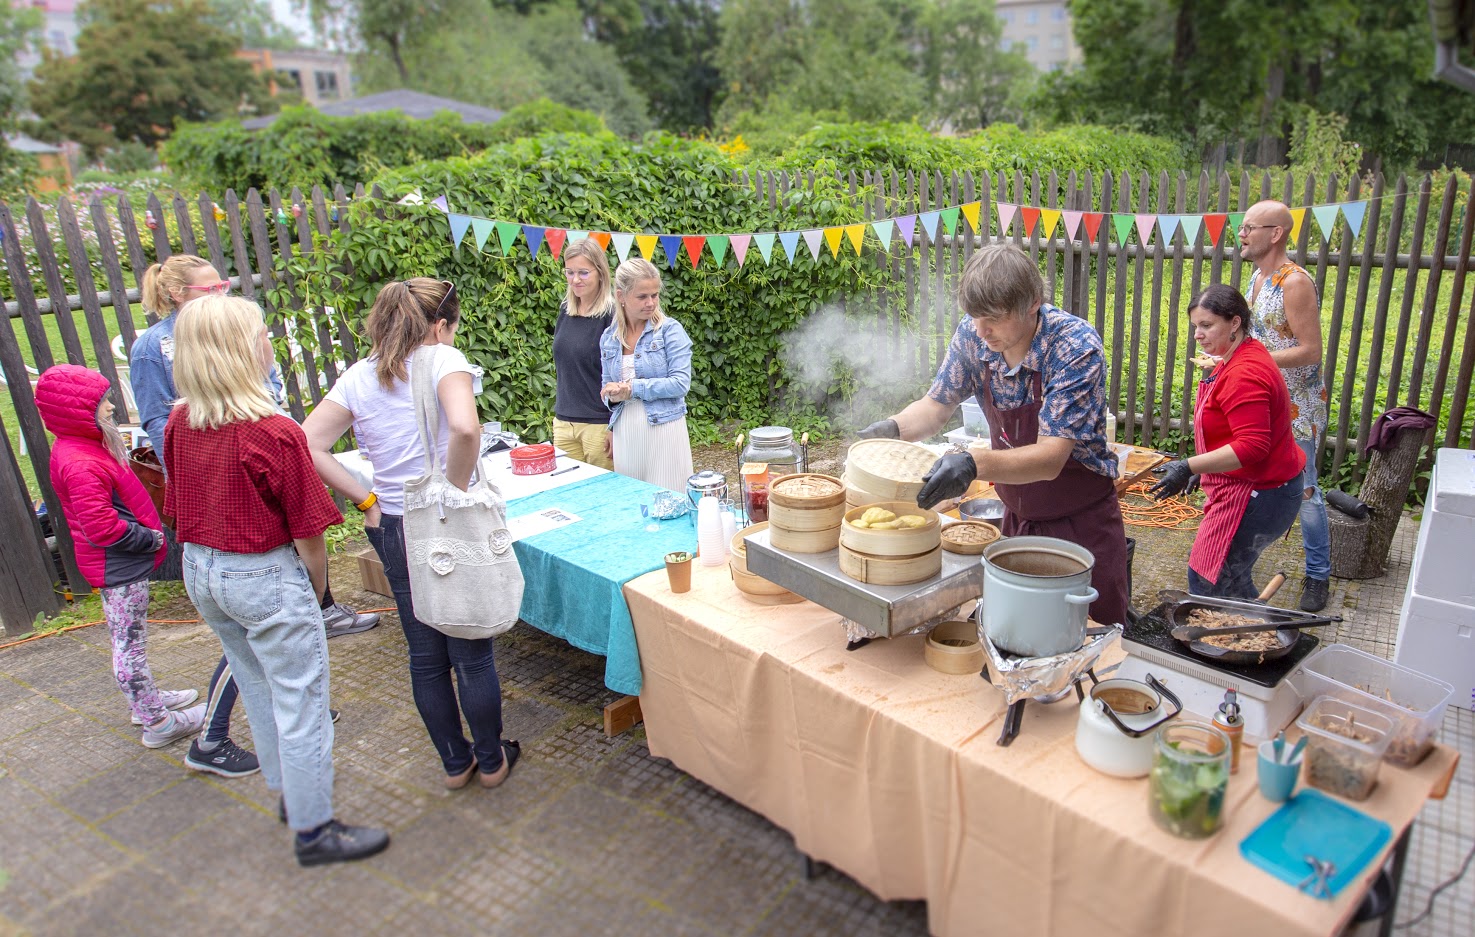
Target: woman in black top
pixel 580 417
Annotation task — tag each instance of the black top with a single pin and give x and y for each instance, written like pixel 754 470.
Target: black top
pixel 576 359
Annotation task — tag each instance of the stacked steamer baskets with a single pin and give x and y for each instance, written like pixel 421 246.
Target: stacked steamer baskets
pixel 873 550
pixel 885 470
pixel 805 512
pixel 754 587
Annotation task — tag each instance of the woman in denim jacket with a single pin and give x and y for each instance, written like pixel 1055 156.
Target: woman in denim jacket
pixel 645 364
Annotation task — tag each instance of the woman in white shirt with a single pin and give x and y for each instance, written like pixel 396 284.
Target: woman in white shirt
pixel 373 397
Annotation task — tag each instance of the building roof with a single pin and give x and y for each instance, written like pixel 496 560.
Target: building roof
pixel 411 103
pixel 24 144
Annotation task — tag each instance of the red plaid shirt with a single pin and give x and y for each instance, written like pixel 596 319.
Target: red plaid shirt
pixel 245 487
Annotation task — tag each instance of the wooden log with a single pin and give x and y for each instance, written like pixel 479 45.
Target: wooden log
pixel 1384 489
pixel 1348 543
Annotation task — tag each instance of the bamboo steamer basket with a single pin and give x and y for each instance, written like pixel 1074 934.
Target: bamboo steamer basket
pixel 803 541
pixel 805 502
pixel 904 542
pixel 952 647
pixel 968 537
pixel 759 590
pixel 890 570
pixel 888 467
pixel 857 497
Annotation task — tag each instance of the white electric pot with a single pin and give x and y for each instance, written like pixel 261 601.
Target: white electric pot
pixel 1035 594
pixel 1120 743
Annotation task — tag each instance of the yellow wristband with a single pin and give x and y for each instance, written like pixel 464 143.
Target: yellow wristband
pixel 368 502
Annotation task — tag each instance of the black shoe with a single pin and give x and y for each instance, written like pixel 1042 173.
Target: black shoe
pixel 282 809
pixel 339 842
pixel 228 760
pixel 334 714
pixel 1313 594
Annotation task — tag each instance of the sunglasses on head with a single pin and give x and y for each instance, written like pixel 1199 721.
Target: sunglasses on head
pixel 450 291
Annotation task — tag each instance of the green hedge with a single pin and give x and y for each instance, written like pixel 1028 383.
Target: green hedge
pixel 737 318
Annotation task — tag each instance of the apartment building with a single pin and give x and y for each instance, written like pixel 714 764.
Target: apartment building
pixel 1043 28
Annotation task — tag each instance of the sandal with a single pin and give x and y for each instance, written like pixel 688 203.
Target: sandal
pixel 454 782
pixel 511 751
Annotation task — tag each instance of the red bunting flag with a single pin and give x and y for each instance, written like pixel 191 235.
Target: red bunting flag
pixel 1030 217
pixel 1092 221
pixel 1215 224
pixel 555 238
pixel 694 244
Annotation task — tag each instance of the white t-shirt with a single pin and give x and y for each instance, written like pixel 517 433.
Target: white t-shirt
pixel 384 422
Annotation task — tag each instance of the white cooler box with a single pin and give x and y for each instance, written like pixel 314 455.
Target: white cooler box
pixel 1438 638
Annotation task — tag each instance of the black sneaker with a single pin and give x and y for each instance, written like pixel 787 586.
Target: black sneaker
pixel 334 714
pixel 1313 594
pixel 228 760
pixel 339 842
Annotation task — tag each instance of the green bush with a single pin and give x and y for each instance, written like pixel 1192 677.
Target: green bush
pixel 540 117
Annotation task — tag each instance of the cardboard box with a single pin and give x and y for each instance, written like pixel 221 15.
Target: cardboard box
pixel 371 572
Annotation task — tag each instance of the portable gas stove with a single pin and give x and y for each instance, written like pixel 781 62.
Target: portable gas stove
pixel 1268 701
pixel 1041 679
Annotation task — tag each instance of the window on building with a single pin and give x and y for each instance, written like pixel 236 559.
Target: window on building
pixel 1058 14
pixel 1032 43
pixel 1057 42
pixel 1031 17
pixel 296 78
pixel 327 84
pixel 1007 17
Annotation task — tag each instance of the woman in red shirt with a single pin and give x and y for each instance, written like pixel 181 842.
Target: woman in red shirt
pixel 1247 458
pixel 251 513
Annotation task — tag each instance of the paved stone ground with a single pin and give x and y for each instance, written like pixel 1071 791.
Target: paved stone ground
pixel 590 836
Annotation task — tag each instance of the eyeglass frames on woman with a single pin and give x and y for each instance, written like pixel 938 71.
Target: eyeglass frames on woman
pixel 577 274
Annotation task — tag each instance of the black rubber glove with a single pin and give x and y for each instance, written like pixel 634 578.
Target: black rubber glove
pixel 1176 478
pixel 1194 483
pixel 881 429
pixel 949 477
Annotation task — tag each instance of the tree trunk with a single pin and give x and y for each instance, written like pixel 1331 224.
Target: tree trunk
pixel 399 62
pixel 1384 490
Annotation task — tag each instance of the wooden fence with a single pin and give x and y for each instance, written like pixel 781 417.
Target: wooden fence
pixel 1395 302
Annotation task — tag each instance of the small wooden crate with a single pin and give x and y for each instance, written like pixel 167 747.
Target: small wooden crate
pixel 371 573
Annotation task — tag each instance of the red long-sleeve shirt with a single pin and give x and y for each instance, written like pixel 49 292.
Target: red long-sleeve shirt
pixel 1247 406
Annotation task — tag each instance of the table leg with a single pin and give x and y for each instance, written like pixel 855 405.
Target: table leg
pixel 622 715
pixel 1400 856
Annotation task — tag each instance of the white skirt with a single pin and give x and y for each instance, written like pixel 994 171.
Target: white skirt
pixel 660 455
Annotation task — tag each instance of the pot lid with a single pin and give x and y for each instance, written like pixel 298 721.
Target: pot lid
pixel 772 435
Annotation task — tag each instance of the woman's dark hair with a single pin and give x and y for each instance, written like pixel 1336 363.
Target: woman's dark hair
pixel 404 313
pixel 1225 302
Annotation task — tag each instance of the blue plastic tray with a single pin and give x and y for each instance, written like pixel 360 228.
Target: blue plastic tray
pixel 1313 824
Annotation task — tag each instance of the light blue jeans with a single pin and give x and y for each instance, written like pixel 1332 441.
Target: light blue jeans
pixel 1316 537
pixel 263 609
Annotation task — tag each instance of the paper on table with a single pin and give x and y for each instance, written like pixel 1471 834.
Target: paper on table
pixel 540 522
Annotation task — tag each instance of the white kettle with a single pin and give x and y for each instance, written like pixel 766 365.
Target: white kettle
pixel 1117 719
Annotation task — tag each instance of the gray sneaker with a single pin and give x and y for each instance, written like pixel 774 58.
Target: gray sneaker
pixel 179 725
pixel 340 620
pixel 173 699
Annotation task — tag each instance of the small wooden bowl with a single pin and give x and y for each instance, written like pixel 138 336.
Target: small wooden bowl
pixel 952 647
pixel 978 534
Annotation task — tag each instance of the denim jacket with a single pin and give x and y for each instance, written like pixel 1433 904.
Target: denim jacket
pixel 662 370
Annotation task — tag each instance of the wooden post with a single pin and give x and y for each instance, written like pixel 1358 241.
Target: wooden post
pixel 26 576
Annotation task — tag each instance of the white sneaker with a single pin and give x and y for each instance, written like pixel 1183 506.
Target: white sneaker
pixel 179 725
pixel 173 699
pixel 340 620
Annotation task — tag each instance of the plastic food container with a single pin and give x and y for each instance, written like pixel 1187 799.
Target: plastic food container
pixel 1344 746
pixel 1413 701
pixel 533 460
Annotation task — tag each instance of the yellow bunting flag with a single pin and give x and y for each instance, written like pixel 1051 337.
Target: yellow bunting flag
pixel 647 244
pixel 855 232
pixel 970 211
pixel 1049 218
pixel 1298 215
pixel 832 238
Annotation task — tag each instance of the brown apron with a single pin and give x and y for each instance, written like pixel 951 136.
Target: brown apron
pixel 1077 505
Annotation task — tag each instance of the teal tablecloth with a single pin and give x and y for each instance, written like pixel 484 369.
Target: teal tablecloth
pixel 573 574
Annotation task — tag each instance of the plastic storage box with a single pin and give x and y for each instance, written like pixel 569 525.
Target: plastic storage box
pixel 974 422
pixel 1345 745
pixel 1413 701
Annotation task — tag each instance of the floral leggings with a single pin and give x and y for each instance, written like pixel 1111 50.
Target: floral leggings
pixel 126 609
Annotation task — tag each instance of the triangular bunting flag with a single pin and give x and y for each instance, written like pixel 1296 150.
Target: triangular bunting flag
pixel 856 233
pixel 481 229
pixel 717 244
pixel 1006 215
pixel 1191 225
pixel 950 220
pixel 671 247
pixel 441 203
pixel 1145 224
pixel 623 243
pixel 1028 218
pixel 1123 225
pixel 507 232
pixel 1072 221
pixel 555 238
pixel 740 246
pixel 929 222
pixel 601 238
pixel 1354 212
pixel 970 211
pixel 765 245
pixel 1326 218
pixel 1236 218
pixel 575 236
pixel 883 232
pixel 534 237
pixel 1169 225
pixel 1214 223
pixel 1092 221
pixel 1050 217
pixel 694 244
pixel 459 224
pixel 813 237
pixel 832 238
pixel 790 241
pixel 907 225
pixel 1298 218
pixel 647 245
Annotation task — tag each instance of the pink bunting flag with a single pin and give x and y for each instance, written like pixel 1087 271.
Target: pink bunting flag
pixel 1072 221
pixel 740 246
pixel 1006 215
pixel 1145 224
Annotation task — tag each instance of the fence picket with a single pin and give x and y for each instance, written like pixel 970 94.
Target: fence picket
pixel 112 269
pixel 186 229
pixel 1431 293
pixel 1451 322
pixel 91 310
pixel 1405 310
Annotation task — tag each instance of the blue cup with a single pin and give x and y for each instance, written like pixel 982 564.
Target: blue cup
pixel 1277 780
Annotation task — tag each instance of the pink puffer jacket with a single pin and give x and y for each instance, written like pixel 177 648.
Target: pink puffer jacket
pixel 112 520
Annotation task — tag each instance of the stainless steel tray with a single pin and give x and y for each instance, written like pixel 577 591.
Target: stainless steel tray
pixel 885 610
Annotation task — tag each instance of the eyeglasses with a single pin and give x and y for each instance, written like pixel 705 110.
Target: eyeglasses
pixel 1247 228
pixel 450 291
pixel 222 287
pixel 578 274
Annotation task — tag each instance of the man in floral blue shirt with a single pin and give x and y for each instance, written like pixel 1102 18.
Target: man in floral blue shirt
pixel 1040 375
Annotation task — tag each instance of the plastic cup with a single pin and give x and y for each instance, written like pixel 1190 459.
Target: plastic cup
pixel 1277 780
pixel 678 571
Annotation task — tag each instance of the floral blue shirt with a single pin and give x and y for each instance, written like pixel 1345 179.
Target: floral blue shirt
pixel 1069 357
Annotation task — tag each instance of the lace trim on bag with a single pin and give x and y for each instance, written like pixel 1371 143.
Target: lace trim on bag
pixel 444 554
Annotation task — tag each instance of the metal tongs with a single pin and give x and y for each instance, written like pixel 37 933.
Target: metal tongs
pixel 1196 632
pixel 1318 883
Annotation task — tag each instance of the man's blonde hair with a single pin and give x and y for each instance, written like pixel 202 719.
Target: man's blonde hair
pixel 1000 280
pixel 216 366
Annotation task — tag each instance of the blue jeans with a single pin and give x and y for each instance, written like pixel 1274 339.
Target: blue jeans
pixel 1267 518
pixel 263 609
pixel 1316 536
pixel 432 658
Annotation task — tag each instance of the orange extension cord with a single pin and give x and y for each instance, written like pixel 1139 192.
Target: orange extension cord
pixel 1140 510
pixel 152 621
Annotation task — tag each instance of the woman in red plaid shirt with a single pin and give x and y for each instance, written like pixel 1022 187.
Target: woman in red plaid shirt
pixel 251 513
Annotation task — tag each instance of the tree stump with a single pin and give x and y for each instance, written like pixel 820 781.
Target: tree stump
pixel 1384 490
pixel 1349 543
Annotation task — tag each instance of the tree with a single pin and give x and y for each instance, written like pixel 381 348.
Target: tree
pixel 973 79
pixel 668 48
pixel 253 22
pixel 140 66
pixel 390 25
pixel 20 29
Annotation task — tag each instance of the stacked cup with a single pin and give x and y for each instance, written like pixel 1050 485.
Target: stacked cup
pixel 729 524
pixel 711 546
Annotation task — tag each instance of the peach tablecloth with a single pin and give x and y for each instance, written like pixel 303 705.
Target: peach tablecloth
pixel 889 771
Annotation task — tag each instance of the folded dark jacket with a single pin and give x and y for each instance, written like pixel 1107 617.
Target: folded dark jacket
pixel 1386 427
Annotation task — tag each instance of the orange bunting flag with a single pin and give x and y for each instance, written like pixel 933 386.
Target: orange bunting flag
pixel 855 232
pixel 1030 217
pixel 694 244
pixel 601 238
pixel 970 212
pixel 832 238
pixel 1092 221
pixel 1215 225
pixel 647 244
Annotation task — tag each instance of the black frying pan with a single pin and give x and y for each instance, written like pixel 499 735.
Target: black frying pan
pixel 1290 622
